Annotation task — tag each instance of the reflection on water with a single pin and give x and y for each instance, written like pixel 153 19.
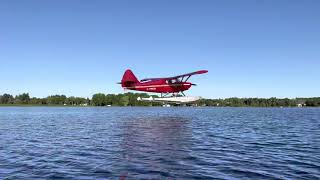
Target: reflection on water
pixel 152 145
pixel 159 143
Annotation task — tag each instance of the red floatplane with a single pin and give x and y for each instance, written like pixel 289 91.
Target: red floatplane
pixel 171 88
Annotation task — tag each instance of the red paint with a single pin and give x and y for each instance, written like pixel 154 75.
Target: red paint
pixel 174 84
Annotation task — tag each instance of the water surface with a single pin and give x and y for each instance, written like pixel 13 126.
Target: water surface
pixel 159 143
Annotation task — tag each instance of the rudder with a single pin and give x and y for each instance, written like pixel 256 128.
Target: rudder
pixel 128 79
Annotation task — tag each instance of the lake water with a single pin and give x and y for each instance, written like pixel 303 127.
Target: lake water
pixel 159 143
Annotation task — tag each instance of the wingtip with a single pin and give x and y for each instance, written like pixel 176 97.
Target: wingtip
pixel 203 71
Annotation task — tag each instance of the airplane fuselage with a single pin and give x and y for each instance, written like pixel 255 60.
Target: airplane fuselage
pixel 159 86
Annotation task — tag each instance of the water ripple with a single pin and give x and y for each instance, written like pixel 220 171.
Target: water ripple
pixel 159 143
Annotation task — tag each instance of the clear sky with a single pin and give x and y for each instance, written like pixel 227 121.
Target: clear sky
pixel 251 48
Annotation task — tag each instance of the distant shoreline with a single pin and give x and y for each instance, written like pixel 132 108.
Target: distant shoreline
pixel 130 99
pixel 39 105
pixel 179 106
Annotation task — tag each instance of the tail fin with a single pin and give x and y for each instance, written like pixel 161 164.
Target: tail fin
pixel 129 79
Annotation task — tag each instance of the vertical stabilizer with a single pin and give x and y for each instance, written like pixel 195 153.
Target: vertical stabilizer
pixel 129 79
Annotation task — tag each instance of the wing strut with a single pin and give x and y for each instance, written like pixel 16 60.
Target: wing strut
pixel 187 78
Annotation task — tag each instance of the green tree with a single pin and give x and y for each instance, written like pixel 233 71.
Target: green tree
pixel 76 100
pixel 22 98
pixel 6 99
pixel 98 99
pixel 35 100
pixel 124 101
pixel 56 99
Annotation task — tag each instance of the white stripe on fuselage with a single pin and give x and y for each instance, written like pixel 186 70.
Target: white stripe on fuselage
pixel 152 86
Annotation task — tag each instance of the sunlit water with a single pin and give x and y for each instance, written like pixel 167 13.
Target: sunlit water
pixel 159 143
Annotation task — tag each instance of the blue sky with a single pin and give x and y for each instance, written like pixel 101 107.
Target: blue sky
pixel 251 48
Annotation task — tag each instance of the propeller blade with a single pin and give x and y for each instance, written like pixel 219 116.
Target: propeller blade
pixel 194 84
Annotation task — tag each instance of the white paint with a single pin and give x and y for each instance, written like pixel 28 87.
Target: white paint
pixel 184 99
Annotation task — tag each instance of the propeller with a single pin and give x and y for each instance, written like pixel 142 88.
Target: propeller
pixel 194 84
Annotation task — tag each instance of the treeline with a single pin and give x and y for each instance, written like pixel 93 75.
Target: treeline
pixel 261 102
pixel 127 99
pixel 130 99
pixel 24 99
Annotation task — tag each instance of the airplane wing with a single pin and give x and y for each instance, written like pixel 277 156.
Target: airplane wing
pixel 176 77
